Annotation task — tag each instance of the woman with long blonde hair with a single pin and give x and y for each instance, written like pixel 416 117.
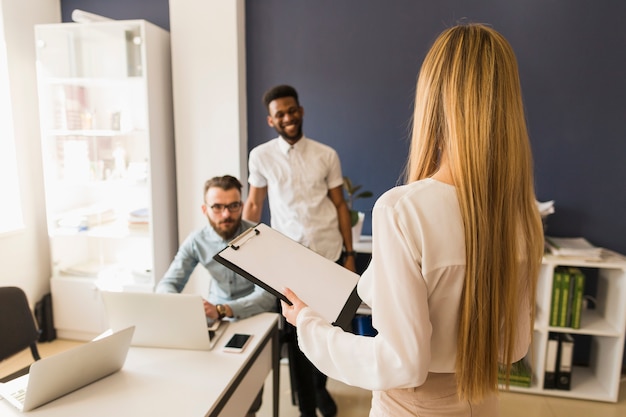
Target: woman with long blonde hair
pixel 456 251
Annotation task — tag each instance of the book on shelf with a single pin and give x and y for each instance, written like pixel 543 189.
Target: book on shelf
pixel 578 279
pixel 577 247
pixel 565 297
pixel 556 298
pixel 139 217
pixel 552 350
pixel 568 289
pixel 565 358
pixel 86 217
pixel 520 376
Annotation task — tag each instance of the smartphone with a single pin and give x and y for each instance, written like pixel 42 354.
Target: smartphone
pixel 237 343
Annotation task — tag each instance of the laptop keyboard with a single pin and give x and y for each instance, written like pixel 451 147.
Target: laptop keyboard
pixel 19 395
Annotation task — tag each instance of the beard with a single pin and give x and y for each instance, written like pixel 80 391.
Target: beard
pixel 226 228
pixel 294 136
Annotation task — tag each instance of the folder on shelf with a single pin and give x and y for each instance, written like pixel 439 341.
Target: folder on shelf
pixel 565 294
pixel 273 261
pixel 549 380
pixel 577 298
pixel 570 299
pixel 556 298
pixel 520 376
pixel 566 355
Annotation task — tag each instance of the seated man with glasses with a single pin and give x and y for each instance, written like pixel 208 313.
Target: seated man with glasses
pixel 230 295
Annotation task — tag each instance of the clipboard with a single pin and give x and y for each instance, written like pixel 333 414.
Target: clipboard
pixel 274 261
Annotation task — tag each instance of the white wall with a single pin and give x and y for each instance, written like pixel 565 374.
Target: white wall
pixel 210 119
pixel 25 255
pixel 209 82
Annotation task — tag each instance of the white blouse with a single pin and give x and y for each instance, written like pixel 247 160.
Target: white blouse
pixel 413 286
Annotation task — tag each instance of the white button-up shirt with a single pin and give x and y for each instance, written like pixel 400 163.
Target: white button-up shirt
pixel 298 178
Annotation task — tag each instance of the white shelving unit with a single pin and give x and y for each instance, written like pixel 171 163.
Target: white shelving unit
pixel 105 100
pixel 605 324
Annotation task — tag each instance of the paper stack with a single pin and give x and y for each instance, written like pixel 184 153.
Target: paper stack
pixel 577 247
pixel 545 208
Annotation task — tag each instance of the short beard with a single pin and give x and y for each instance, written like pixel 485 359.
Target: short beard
pixel 226 234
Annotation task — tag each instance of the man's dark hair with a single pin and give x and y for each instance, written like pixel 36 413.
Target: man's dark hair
pixel 226 182
pixel 279 91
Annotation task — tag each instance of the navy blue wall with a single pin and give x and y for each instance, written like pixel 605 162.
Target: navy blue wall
pixel 355 64
pixel 154 11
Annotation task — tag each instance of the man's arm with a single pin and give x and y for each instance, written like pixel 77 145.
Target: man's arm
pixel 179 271
pixel 254 303
pixel 253 208
pixel 345 226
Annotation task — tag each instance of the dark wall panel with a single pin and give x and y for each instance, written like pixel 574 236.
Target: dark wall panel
pixel 355 64
pixel 154 11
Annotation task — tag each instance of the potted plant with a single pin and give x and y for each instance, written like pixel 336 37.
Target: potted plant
pixel 354 193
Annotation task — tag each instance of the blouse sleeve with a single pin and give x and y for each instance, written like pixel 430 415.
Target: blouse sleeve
pixel 399 355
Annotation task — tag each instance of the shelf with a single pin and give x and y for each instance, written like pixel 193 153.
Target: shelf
pixel 609 259
pixel 94 82
pixel 585 386
pixel 592 323
pixel 93 132
pixel 107 141
pixel 604 326
pixel 111 230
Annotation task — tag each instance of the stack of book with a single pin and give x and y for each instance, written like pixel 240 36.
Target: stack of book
pixel 139 217
pixel 568 290
pixel 521 375
pixel 559 356
pixel 575 247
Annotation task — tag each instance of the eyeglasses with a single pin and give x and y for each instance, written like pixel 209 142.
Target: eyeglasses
pixel 232 207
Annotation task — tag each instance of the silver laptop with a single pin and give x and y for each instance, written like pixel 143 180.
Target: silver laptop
pixel 55 376
pixel 173 321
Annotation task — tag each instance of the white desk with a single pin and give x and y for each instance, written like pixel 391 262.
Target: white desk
pixel 363 245
pixel 176 382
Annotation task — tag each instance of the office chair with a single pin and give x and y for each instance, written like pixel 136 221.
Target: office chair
pixel 18 330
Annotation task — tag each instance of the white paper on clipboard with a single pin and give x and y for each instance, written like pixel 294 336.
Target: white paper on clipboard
pixel 274 262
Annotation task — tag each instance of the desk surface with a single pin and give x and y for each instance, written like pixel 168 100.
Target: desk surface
pixel 363 245
pixel 171 382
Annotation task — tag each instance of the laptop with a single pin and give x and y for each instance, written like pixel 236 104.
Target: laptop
pixel 174 321
pixel 55 376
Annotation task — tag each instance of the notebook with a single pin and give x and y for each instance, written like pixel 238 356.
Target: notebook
pixel 273 261
pixel 174 321
pixel 55 376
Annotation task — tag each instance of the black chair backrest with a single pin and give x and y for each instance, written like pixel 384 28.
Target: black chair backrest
pixel 18 330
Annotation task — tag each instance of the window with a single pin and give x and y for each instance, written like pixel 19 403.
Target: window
pixel 11 208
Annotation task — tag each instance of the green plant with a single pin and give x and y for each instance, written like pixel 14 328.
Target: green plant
pixel 354 192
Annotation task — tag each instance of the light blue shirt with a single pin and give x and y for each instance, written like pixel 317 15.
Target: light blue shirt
pixel 244 298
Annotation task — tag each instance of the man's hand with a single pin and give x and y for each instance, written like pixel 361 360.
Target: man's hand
pixel 350 263
pixel 210 310
pixel 291 311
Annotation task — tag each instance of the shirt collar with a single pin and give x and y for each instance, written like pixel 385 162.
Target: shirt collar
pixel 284 146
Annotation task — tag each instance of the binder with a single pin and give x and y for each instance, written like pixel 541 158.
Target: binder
pixel 549 380
pixel 565 284
pixel 566 355
pixel 556 298
pixel 579 290
pixel 570 300
pixel 274 261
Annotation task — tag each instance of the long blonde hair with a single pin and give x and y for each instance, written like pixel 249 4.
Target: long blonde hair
pixel 468 105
